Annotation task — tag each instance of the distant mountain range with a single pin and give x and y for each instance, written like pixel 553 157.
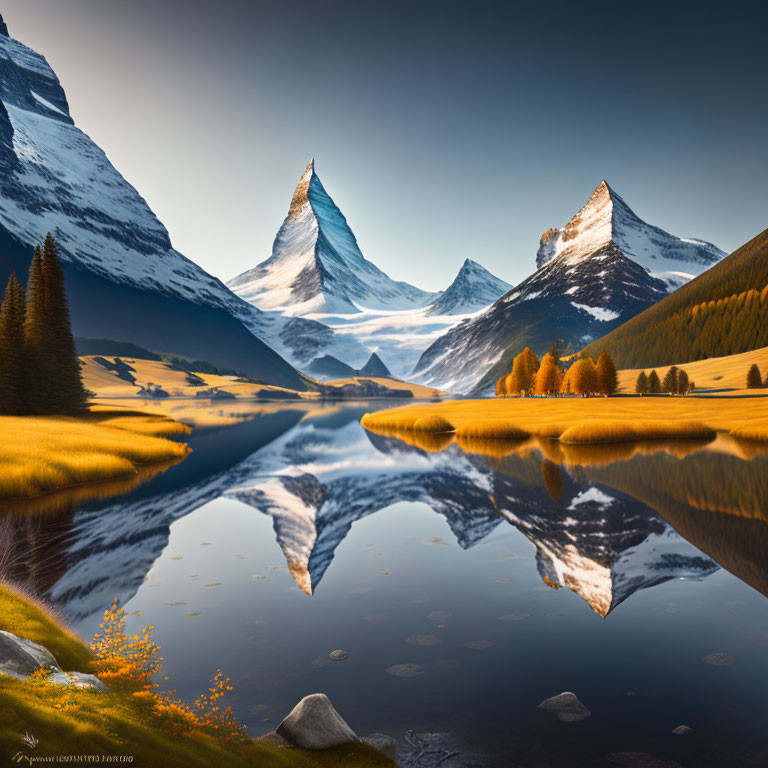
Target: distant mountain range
pixel 317 271
pixel 604 267
pixel 722 312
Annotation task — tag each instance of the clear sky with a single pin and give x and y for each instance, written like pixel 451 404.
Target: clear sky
pixel 443 130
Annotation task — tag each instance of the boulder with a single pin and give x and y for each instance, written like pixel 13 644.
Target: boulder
pixel 682 730
pixel 78 680
pixel 566 706
pixel 338 655
pixel 383 743
pixel 315 724
pixel 20 657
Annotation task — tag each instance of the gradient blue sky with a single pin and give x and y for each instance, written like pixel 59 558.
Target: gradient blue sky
pixel 443 130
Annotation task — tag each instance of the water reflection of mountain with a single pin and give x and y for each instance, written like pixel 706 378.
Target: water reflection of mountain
pixel 594 527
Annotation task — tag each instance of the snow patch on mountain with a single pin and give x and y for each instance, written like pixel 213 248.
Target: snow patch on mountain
pixel 599 313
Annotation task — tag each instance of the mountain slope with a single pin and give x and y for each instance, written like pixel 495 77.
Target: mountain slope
pixel 473 288
pixel 722 312
pixel 375 367
pixel 316 264
pixel 592 276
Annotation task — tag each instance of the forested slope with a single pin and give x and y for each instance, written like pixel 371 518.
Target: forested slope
pixel 722 312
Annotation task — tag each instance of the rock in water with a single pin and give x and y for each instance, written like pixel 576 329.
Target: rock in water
pixel 315 724
pixel 78 680
pixel 566 706
pixel 338 655
pixel 20 657
pixel 383 743
pixel 682 730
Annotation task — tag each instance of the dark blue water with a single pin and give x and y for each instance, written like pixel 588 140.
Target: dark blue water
pixel 505 580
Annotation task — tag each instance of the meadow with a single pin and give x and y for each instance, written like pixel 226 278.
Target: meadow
pixel 577 420
pixel 46 454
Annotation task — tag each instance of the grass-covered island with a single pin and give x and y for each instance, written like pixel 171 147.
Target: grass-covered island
pixel 574 420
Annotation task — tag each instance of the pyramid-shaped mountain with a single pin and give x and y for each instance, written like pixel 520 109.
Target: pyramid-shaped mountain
pixel 316 264
pixel 603 268
pixel 473 288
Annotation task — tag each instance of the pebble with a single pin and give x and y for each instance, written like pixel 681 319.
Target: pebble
pixel 405 670
pixel 338 655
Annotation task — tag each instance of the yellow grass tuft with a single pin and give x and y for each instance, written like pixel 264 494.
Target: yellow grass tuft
pixel 432 424
pixel 629 431
pixel 493 428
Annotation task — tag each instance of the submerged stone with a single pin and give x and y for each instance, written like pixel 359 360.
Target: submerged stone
pixel 566 706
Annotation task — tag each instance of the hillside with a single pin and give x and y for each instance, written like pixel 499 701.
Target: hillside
pixel 722 312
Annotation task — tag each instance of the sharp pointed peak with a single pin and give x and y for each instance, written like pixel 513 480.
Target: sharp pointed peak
pixel 302 189
pixel 3 27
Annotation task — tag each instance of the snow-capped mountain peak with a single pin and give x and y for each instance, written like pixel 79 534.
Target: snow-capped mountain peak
pixel 317 266
pixel 606 218
pixel 473 288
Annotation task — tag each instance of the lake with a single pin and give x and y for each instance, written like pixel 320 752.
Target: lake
pixel 466 586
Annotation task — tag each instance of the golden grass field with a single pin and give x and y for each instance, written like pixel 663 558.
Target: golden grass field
pixel 69 721
pixel 107 384
pixel 578 420
pixel 717 373
pixel 45 454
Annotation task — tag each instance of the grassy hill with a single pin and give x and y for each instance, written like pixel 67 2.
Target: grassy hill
pixel 722 312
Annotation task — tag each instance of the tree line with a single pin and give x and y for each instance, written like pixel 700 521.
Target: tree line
pixel 39 368
pixel 531 376
pixel 675 382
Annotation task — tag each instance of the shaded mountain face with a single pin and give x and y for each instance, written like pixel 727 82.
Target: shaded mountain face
pixel 473 288
pixel 124 279
pixel 603 268
pixel 316 264
pixel 375 367
pixel 317 477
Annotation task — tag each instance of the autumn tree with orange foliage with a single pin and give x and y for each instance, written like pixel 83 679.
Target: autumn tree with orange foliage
pixel 581 378
pixel 548 378
pixel 524 367
pixel 607 380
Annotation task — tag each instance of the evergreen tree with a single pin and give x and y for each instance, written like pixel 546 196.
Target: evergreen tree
pixel 607 380
pixel 555 351
pixel 12 351
pixel 669 385
pixel 547 379
pixel 654 385
pixel 38 376
pixel 69 392
pixel 683 384
pixel 754 380
pixel 642 386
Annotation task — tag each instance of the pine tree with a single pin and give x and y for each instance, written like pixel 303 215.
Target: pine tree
pixel 68 394
pixel 669 385
pixel 642 386
pixel 555 351
pixel 547 378
pixel 607 380
pixel 683 383
pixel 38 375
pixel 12 357
pixel 754 380
pixel 654 385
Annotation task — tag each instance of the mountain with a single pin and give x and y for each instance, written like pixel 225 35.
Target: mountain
pixel 722 312
pixel 374 367
pixel 604 267
pixel 125 281
pixel 328 367
pixel 316 264
pixel 473 288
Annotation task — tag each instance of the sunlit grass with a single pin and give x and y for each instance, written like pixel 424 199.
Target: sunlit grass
pixel 41 455
pixel 584 420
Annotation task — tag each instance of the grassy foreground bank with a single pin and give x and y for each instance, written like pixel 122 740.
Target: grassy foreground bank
pixel 580 420
pixel 70 721
pixel 44 454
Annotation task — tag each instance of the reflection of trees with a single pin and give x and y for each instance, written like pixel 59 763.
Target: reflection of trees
pixel 716 501
pixel 553 478
pixel 33 548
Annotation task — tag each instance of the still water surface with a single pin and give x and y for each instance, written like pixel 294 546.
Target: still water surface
pixel 635 577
